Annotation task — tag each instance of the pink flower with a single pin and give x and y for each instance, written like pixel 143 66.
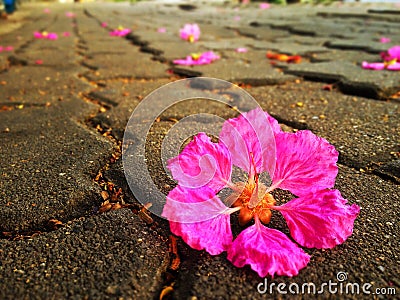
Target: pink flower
pixel 46 10
pixel 384 40
pixel 190 32
pixel 300 162
pixel 265 5
pixel 162 30
pixel 391 66
pixel 39 62
pixel 6 48
pixel 120 31
pixel 69 14
pixel 204 58
pixel 394 53
pixel 104 24
pixel 241 50
pixel 66 34
pixel 391 61
pixel 236 18
pixel 45 35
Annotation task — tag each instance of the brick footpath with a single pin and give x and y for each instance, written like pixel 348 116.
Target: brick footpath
pixel 64 105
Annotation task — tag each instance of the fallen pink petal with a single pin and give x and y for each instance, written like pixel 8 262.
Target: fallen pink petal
pixel 162 30
pixel 267 251
pixel 241 50
pixel 190 32
pixel 66 34
pixel 373 66
pixel 236 18
pixel 120 31
pixel 8 49
pixel 384 40
pixel 199 235
pixel 45 35
pixel 264 5
pixel 301 162
pixel 394 53
pixel 391 60
pixel 69 14
pixel 104 24
pixel 204 58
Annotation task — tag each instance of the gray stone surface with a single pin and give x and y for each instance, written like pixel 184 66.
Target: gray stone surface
pixel 62 123
pixel 110 256
pixel 352 79
pixel 365 131
pixel 48 171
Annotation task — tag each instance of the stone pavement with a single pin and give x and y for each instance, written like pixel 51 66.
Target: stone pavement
pixel 64 105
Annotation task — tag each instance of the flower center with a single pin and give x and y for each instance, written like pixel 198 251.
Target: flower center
pixel 254 199
pixel 254 192
pixel 196 56
pixel 191 38
pixel 390 62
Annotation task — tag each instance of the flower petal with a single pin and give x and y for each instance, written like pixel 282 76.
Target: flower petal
pixel 251 134
pixel 384 40
pixel 190 32
pixel 202 163
pixel 204 58
pixel 188 61
pixel 394 52
pixel 186 205
pixel 305 163
pixel 373 66
pixel 267 251
pixel 214 233
pixel 320 220
pixel 394 67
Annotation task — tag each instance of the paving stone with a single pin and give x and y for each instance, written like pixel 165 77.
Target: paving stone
pixel 262 33
pixel 213 32
pixel 50 54
pixel 114 65
pixel 241 71
pixel 174 50
pixel 123 97
pixel 3 62
pixel 228 44
pixel 41 84
pixel 289 48
pixel 336 55
pixel 363 130
pixel 358 44
pixel 352 78
pixel 303 40
pixel 105 256
pixel 390 170
pixel 360 15
pixel 39 184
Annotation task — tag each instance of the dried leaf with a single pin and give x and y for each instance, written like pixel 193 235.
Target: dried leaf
pixel 166 291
